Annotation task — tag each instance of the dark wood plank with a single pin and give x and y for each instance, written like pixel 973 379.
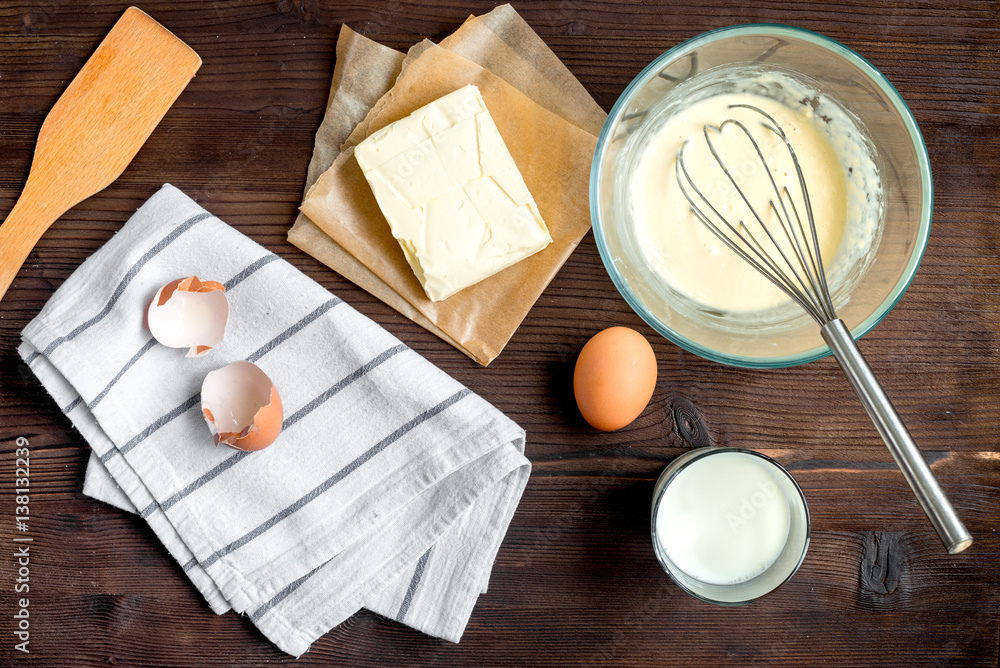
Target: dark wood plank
pixel 576 582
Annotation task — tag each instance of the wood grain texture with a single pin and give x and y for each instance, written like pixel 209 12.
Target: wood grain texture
pixel 576 582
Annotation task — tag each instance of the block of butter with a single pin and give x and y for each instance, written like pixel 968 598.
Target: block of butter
pixel 452 194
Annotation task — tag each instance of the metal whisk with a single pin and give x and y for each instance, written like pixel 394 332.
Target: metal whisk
pixel 787 253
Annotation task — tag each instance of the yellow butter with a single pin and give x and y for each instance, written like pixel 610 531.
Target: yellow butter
pixel 452 195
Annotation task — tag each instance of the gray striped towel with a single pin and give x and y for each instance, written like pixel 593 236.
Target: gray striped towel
pixel 390 487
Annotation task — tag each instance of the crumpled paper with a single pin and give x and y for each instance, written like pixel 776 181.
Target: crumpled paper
pixel 547 119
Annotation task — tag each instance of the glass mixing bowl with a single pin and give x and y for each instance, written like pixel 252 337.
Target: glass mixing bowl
pixel 871 288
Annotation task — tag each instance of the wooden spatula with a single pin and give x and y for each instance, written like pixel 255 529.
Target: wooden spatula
pixel 96 128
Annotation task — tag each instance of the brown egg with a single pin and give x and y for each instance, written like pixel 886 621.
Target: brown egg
pixel 614 378
pixel 241 406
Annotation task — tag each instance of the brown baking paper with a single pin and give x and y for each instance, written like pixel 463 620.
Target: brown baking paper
pixel 554 156
pixel 364 72
pixel 503 43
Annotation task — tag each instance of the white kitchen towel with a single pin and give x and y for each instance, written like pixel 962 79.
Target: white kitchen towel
pixel 390 487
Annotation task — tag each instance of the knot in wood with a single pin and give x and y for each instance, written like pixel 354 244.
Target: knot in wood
pixel 884 567
pixel 103 605
pixel 689 423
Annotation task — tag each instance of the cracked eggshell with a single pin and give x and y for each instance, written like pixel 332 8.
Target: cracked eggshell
pixel 241 406
pixel 189 313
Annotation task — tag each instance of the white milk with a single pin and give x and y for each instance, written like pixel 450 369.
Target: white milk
pixel 723 519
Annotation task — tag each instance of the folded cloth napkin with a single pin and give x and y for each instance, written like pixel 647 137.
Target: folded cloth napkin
pixel 390 487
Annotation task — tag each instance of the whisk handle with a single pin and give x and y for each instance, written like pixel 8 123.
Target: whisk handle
pixel 911 462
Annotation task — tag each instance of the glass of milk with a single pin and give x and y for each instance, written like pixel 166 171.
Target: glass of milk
pixel 729 525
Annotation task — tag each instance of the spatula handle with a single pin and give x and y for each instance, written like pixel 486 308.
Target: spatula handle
pixel 911 462
pixel 19 233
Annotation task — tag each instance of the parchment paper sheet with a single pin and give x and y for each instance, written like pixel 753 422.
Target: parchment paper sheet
pixel 552 146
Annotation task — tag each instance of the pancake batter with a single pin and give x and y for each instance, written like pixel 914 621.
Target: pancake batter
pixel 688 255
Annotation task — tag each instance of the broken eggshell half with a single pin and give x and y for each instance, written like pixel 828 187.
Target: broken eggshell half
pixel 241 406
pixel 189 313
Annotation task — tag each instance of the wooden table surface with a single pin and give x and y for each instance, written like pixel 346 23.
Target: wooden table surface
pixel 576 582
